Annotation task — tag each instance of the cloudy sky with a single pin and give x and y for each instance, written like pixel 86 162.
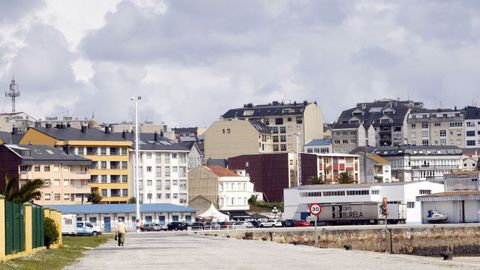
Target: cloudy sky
pixel 193 60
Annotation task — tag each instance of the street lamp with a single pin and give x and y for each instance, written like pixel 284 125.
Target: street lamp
pixel 137 188
pixel 274 212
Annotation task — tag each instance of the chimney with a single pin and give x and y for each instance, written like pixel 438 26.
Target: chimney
pixel 48 125
pixel 68 125
pixel 155 136
pixel 107 129
pixel 84 129
pixel 14 130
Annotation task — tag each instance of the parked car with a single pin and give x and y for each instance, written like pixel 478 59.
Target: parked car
pixel 255 223
pixel 271 223
pixel 211 226
pixel 156 227
pixel 225 224
pixel 164 227
pixel 242 225
pixel 146 227
pixel 176 226
pixel 288 223
pixel 196 225
pixel 86 228
pixel 301 223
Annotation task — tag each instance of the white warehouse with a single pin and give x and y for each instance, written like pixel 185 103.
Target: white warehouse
pixel 298 199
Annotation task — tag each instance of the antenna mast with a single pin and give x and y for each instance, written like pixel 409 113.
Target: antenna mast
pixel 13 93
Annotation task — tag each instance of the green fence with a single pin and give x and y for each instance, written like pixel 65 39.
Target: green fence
pixel 37 226
pixel 14 228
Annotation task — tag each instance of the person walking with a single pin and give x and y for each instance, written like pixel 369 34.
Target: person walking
pixel 121 231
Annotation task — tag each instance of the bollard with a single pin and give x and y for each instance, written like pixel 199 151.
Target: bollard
pixel 447 255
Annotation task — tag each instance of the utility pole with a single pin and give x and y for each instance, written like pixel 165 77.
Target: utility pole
pixel 137 189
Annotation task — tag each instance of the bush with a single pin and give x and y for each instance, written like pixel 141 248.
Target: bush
pixel 50 232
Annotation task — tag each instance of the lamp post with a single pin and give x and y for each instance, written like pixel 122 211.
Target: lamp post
pixel 137 188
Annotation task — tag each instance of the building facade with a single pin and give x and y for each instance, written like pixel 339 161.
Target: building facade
pixel 108 152
pixel 472 127
pixel 298 199
pixel 319 146
pixel 330 166
pixel 66 175
pixel 287 121
pixel 228 190
pixel 233 137
pixel 418 163
pixel 378 123
pixel 163 170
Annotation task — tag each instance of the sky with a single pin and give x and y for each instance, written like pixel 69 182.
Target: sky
pixel 191 61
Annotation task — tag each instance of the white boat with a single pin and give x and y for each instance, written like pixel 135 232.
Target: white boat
pixel 436 217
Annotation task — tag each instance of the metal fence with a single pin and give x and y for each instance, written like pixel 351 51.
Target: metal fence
pixel 14 228
pixel 37 226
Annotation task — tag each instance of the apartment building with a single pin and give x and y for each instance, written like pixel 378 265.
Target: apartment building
pixel 66 175
pixel 378 123
pixel 417 163
pixel 373 168
pixel 233 137
pixel 228 190
pixel 472 127
pixel 163 170
pixel 330 166
pixel 108 152
pixel 319 146
pixel 286 120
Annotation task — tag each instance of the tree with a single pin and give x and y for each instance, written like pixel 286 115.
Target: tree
pixel 315 180
pixel 27 192
pixel 50 232
pixel 132 200
pixel 252 200
pixel 345 178
pixel 94 197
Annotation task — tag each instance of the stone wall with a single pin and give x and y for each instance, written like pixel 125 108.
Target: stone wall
pixel 426 241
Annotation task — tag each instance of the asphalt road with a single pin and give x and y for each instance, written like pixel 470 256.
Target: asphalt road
pixel 168 250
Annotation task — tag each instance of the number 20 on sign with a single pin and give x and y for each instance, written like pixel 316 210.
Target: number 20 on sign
pixel 315 209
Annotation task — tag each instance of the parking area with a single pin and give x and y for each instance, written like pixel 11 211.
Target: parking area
pixel 178 250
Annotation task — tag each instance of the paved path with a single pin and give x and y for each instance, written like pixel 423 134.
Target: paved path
pixel 165 250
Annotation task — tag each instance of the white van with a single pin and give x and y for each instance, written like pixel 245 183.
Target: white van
pixel 69 224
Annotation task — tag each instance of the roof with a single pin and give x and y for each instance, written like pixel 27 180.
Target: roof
pixel 119 208
pixel 185 130
pixel 260 127
pixel 370 113
pixel 439 110
pixel 34 154
pixel 472 112
pixel 377 158
pixel 417 150
pixel 451 196
pixel 220 171
pixel 8 137
pixel 154 142
pixel 75 134
pixel 271 109
pixel 319 142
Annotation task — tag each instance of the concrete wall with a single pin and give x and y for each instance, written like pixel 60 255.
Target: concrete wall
pixel 423 241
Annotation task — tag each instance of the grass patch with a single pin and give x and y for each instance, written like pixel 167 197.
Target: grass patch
pixel 72 250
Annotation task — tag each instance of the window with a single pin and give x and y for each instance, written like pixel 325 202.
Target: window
pixel 56 183
pixel 167 185
pixel 470 142
pixel 159 195
pixel 443 133
pixel 345 141
pixel 289 119
pixel 46 196
pixel 413 125
pixel 375 192
pixel 66 197
pixel 283 130
pixel 57 197
pixel 334 193
pixel 275 147
pixel 36 168
pixel 46 168
pixel 410 204
pixel 104 179
pixel 424 125
pixel 149 168
pixel 437 124
pixel 149 155
pixel 124 192
pixel 275 138
pixel 167 159
pixel 158 171
pixel 283 147
pixel 103 151
pixel 103 165
pixel 149 182
pixel 175 182
pixel 299 120
pixel 283 138
pixel 124 178
pixel 424 142
pixel 104 192
pixel 167 196
pixel 357 192
pixel 278 121
pixel 167 171
pixel 425 191
pixel 470 133
pixel 66 183
pixel 159 184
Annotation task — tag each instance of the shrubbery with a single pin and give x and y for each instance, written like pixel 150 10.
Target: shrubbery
pixel 50 232
pixel 271 205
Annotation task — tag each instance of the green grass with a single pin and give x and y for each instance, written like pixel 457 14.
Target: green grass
pixel 73 248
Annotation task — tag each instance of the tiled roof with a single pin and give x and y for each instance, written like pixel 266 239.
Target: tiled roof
pixel 274 108
pixel 185 130
pixel 119 208
pixel 377 159
pixel 220 171
pixel 33 154
pixel 8 137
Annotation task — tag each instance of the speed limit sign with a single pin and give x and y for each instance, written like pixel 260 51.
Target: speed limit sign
pixel 315 209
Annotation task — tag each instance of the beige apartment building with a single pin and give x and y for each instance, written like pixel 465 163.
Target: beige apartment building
pixel 287 122
pixel 436 127
pixel 234 137
pixel 66 175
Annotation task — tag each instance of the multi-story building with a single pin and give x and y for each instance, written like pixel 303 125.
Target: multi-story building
pixel 416 163
pixel 19 120
pixel 195 156
pixel 319 146
pixel 163 170
pixel 108 152
pixel 373 168
pixel 69 121
pixel 66 175
pixel 287 121
pixel 436 127
pixel 228 190
pixel 378 123
pixel 233 137
pixel 472 127
pixel 328 167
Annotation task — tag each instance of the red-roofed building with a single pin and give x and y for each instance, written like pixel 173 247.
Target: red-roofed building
pixel 228 190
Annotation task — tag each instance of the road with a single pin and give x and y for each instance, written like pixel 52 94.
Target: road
pixel 168 250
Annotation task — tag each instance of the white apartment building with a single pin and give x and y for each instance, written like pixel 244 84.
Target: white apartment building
pixel 298 199
pixel 234 192
pixel 163 170
pixel 472 127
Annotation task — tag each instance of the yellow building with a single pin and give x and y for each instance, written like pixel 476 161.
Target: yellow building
pixel 108 152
